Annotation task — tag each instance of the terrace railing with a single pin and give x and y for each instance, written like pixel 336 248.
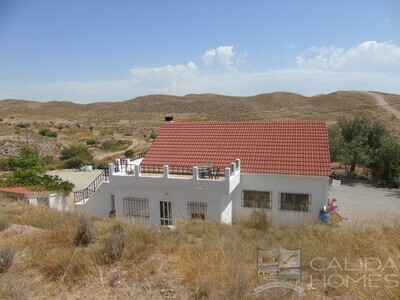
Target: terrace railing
pixel 83 194
pixel 172 170
pixel 87 192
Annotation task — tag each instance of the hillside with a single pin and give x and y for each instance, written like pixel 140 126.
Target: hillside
pixel 138 118
pixel 205 106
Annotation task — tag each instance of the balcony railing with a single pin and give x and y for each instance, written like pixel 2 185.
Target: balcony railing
pixel 83 194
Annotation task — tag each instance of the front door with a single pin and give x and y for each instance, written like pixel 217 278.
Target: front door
pixel 165 213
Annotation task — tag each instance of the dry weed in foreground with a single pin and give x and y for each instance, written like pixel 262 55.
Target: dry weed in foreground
pixel 14 287
pixel 3 222
pixel 211 260
pixel 6 257
pixel 115 243
pixel 85 234
pixel 141 243
pixel 258 219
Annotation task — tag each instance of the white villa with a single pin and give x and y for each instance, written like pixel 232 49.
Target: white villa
pixel 218 171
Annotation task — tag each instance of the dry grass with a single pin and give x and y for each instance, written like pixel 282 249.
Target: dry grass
pixel 114 243
pixel 196 260
pixel 85 233
pixel 6 257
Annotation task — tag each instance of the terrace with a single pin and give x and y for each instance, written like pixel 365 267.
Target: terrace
pixel 125 167
pixel 125 170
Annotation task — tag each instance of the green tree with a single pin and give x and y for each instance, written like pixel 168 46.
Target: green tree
pixel 28 159
pixel 27 171
pixel 335 143
pixel 33 179
pixel 366 140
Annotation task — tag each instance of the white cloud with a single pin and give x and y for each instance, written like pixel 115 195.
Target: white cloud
pixel 208 57
pixel 369 55
pixel 166 75
pixel 221 56
pixel 303 81
pixel 326 70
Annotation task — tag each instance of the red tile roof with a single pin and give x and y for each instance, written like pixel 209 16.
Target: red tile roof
pixel 19 191
pixel 278 147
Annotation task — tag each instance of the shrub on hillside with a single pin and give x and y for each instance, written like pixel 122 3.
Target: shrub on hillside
pixel 76 156
pixel 48 133
pixel 129 153
pixel 91 142
pixel 114 243
pixel 50 163
pixel 22 125
pixel 85 233
pixel 115 145
pixel 100 164
pixel 6 257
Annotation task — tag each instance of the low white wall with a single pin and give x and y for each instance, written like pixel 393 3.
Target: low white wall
pixel 32 200
pixel 317 186
pixel 58 201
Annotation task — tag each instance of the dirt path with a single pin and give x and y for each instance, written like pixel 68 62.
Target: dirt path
pixel 380 99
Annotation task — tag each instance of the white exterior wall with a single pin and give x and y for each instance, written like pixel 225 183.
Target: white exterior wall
pixel 99 204
pixel 223 197
pixel 55 200
pixel 164 187
pixel 58 201
pixel 317 186
pixel 179 191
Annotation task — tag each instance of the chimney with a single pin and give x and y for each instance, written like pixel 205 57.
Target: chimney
pixel 169 118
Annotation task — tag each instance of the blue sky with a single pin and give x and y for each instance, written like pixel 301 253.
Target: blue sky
pixel 87 51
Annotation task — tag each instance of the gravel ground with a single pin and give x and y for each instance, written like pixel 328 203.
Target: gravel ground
pixel 364 205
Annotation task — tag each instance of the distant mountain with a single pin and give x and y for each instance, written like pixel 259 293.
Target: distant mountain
pixel 150 108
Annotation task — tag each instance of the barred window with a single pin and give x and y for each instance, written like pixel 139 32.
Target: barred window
pixel 166 213
pixel 197 210
pixel 256 199
pixel 136 207
pixel 295 202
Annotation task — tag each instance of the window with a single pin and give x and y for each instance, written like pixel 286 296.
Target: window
pixel 197 210
pixel 165 213
pixel 256 199
pixel 136 207
pixel 295 202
